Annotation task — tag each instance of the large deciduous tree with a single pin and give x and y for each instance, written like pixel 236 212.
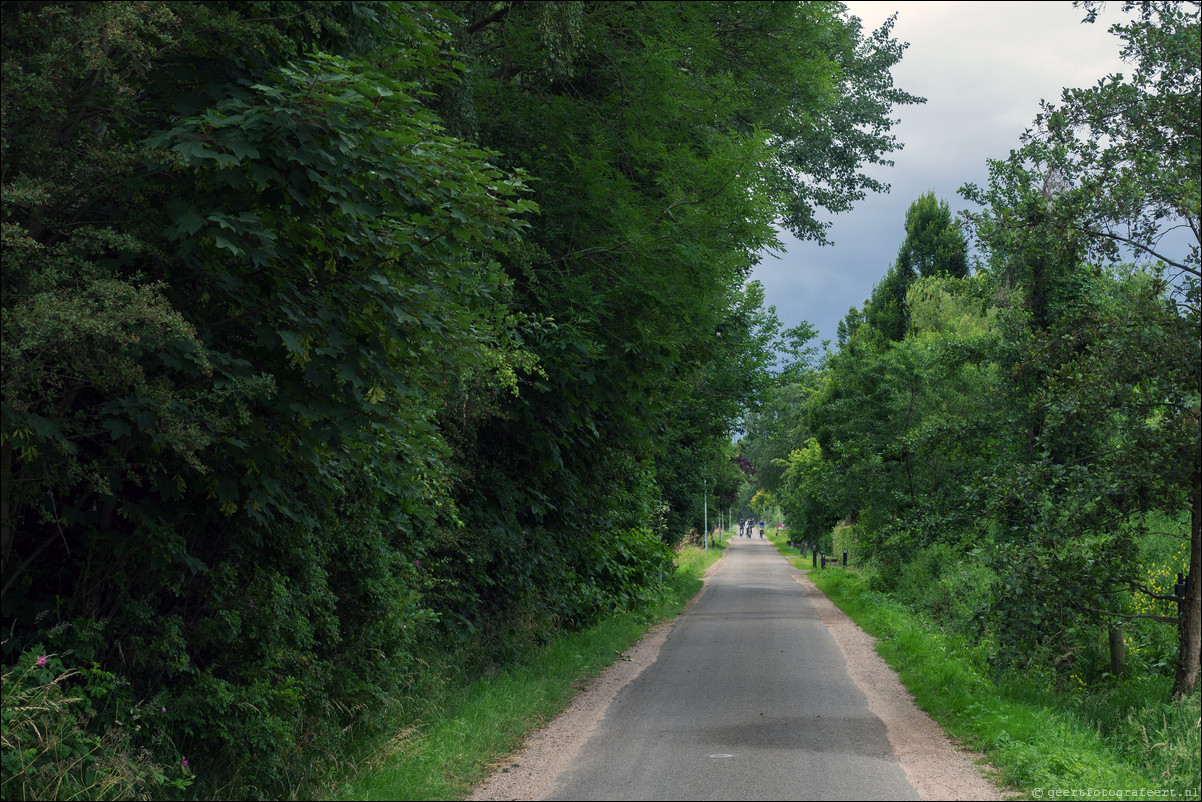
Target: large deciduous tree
pixel 665 140
pixel 1112 172
pixel 934 246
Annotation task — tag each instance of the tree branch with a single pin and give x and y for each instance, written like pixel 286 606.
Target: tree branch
pixel 1139 245
pixel 490 19
pixel 1164 619
pixel 1152 593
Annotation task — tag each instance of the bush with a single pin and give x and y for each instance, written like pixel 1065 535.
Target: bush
pixel 260 668
pixel 51 749
pixel 946 585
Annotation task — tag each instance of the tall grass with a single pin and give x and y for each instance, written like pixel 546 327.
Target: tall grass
pixel 47 751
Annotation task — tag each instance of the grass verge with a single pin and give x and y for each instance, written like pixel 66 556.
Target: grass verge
pixel 464 732
pixel 1046 745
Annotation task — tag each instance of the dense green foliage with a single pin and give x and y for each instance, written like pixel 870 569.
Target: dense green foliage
pixel 933 247
pixel 340 335
pixel 1033 427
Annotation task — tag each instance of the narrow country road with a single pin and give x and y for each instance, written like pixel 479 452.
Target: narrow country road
pixel 750 698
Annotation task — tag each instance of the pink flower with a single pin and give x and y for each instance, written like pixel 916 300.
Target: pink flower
pixel 42 660
pixel 184 762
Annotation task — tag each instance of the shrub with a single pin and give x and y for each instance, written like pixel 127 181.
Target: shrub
pixel 946 585
pixel 261 667
pixel 53 746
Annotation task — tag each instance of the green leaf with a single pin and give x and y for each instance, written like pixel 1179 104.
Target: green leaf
pixel 118 428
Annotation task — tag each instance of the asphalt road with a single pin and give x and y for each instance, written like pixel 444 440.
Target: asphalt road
pixel 750 699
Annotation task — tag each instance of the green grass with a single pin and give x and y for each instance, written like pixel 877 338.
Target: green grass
pixel 796 558
pixel 1124 737
pixel 464 732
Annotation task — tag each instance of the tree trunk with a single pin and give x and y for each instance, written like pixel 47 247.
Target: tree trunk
pixel 1190 628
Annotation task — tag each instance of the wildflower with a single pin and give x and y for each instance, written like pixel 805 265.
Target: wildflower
pixel 162 710
pixel 42 660
pixel 184 762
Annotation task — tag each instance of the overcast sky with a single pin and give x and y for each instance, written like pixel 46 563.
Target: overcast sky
pixel 983 68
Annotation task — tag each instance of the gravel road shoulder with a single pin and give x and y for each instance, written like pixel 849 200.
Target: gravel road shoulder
pixel 933 764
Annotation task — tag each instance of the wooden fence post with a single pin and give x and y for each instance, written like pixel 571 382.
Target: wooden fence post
pixel 1118 651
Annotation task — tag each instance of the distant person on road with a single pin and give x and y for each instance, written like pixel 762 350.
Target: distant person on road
pixel 761 530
